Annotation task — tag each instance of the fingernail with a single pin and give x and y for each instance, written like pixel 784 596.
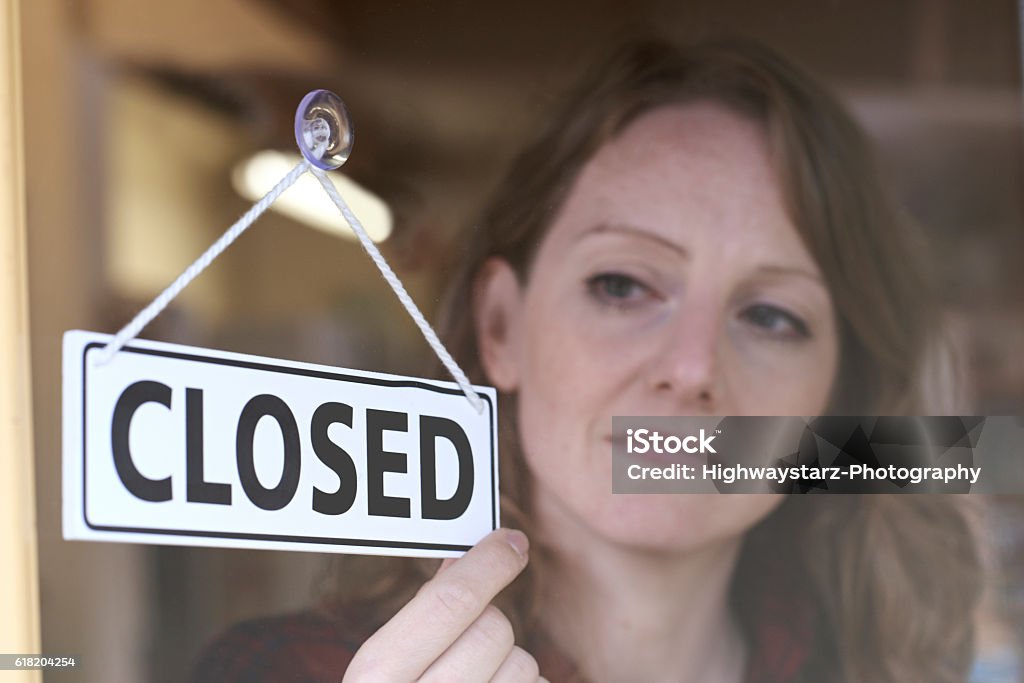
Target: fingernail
pixel 517 539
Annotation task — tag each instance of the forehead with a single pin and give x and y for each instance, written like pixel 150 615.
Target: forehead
pixel 683 171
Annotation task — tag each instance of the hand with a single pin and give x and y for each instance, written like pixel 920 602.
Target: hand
pixel 449 631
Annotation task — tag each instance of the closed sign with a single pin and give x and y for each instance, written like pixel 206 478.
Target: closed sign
pixel 187 446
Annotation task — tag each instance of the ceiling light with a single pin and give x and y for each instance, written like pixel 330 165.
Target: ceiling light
pixel 306 201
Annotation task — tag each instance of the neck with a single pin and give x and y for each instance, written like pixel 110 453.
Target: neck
pixel 625 614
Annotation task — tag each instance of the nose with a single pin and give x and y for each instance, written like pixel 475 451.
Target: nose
pixel 684 368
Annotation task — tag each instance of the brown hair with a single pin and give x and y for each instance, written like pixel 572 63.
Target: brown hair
pixel 895 577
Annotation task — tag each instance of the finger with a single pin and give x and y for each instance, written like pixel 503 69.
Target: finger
pixel 518 667
pixel 442 609
pixel 448 561
pixel 477 653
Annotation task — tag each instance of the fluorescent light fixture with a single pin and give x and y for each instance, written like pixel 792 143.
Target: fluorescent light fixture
pixel 306 201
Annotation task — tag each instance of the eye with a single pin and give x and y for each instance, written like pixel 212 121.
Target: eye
pixel 618 289
pixel 776 322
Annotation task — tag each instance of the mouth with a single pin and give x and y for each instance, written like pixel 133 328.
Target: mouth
pixel 619 444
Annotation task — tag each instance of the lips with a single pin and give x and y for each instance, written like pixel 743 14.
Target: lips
pixel 619 443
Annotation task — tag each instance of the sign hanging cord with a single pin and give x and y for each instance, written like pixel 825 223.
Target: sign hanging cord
pixel 144 317
pixel 399 289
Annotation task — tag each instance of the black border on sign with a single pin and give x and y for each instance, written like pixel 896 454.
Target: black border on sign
pixel 305 372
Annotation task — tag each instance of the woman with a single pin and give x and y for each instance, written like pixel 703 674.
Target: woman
pixel 699 231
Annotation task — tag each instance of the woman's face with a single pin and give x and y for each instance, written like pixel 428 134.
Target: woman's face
pixel 672 282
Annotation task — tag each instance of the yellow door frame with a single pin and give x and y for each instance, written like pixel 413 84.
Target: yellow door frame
pixel 19 584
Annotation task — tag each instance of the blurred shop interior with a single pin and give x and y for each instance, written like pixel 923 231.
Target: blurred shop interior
pixel 147 122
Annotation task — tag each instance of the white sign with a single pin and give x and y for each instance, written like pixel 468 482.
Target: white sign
pixel 179 445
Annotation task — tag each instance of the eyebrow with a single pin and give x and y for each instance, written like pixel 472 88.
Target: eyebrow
pixel 791 270
pixel 602 228
pixel 767 269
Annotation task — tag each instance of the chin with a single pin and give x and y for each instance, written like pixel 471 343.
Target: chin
pixel 677 523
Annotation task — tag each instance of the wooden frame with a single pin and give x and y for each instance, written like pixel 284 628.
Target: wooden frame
pixel 19 589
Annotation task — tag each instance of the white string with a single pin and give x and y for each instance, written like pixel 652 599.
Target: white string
pixel 133 328
pixel 396 285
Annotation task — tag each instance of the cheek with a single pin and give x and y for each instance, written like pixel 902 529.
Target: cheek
pixel 568 384
pixel 558 388
pixel 571 364
pixel 772 379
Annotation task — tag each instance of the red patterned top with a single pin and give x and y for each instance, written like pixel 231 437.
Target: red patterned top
pixel 310 648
